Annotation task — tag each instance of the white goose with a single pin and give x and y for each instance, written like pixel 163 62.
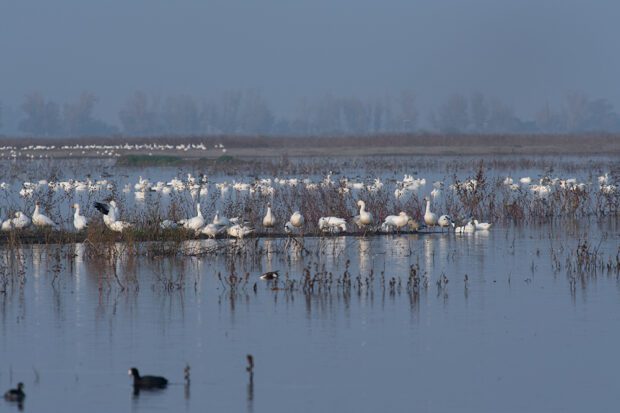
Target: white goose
pixel 481 225
pixel 430 218
pixel 220 221
pixel 364 218
pixel 79 221
pixel 397 222
pixel 7 224
pixel 239 231
pixel 332 224
pixel 194 223
pixel 297 220
pixel 110 213
pixel 288 227
pixel 445 221
pixel 168 224
pixel 119 226
pixel 469 227
pixel 212 230
pixel 269 221
pixel 41 220
pixel 21 220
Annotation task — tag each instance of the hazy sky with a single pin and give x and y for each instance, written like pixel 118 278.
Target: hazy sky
pixel 523 51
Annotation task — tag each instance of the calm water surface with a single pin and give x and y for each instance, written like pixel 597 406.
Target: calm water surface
pixel 514 338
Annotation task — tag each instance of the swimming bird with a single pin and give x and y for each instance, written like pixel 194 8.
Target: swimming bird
pixel 469 227
pixel 269 275
pixel 21 220
pixel 15 395
pixel 41 220
pixel 481 225
pixel 430 218
pixel 147 382
pixel 332 224
pixel 79 221
pixel 269 221
pixel 194 223
pixel 445 221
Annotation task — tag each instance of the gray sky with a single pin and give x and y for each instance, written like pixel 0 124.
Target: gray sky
pixel 522 51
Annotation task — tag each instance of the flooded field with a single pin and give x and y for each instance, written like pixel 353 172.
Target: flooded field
pixel 519 318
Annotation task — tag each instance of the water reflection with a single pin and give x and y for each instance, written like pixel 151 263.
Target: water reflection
pixel 343 300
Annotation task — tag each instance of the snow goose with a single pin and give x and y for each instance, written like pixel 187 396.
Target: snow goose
pixel 6 225
pixel 212 230
pixel 41 220
pixel 269 221
pixel 239 231
pixel 430 218
pixel 332 224
pixel 469 227
pixel 194 223
pixel 79 221
pixel 21 220
pixel 288 228
pixel 365 217
pixel 481 225
pixel 119 226
pixel 168 224
pixel 220 221
pixel 397 222
pixel 110 214
pixel 109 211
pixel 297 220
pixel 445 221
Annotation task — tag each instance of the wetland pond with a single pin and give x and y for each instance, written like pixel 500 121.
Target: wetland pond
pixel 515 319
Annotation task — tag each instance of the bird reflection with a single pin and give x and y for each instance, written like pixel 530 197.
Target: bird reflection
pixel 269 246
pixel 364 251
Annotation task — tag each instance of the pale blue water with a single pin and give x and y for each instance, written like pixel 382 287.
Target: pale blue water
pixel 517 339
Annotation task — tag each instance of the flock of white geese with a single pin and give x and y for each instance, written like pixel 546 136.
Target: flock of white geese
pixel 237 228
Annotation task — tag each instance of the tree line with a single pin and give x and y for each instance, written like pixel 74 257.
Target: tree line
pixel 248 113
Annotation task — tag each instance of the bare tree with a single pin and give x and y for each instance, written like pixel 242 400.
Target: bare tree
pixel 452 115
pixel 42 117
pixel 576 107
pixel 180 115
pixel 77 116
pixel 255 115
pixel 502 118
pixel 408 118
pixel 138 117
pixel 479 111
